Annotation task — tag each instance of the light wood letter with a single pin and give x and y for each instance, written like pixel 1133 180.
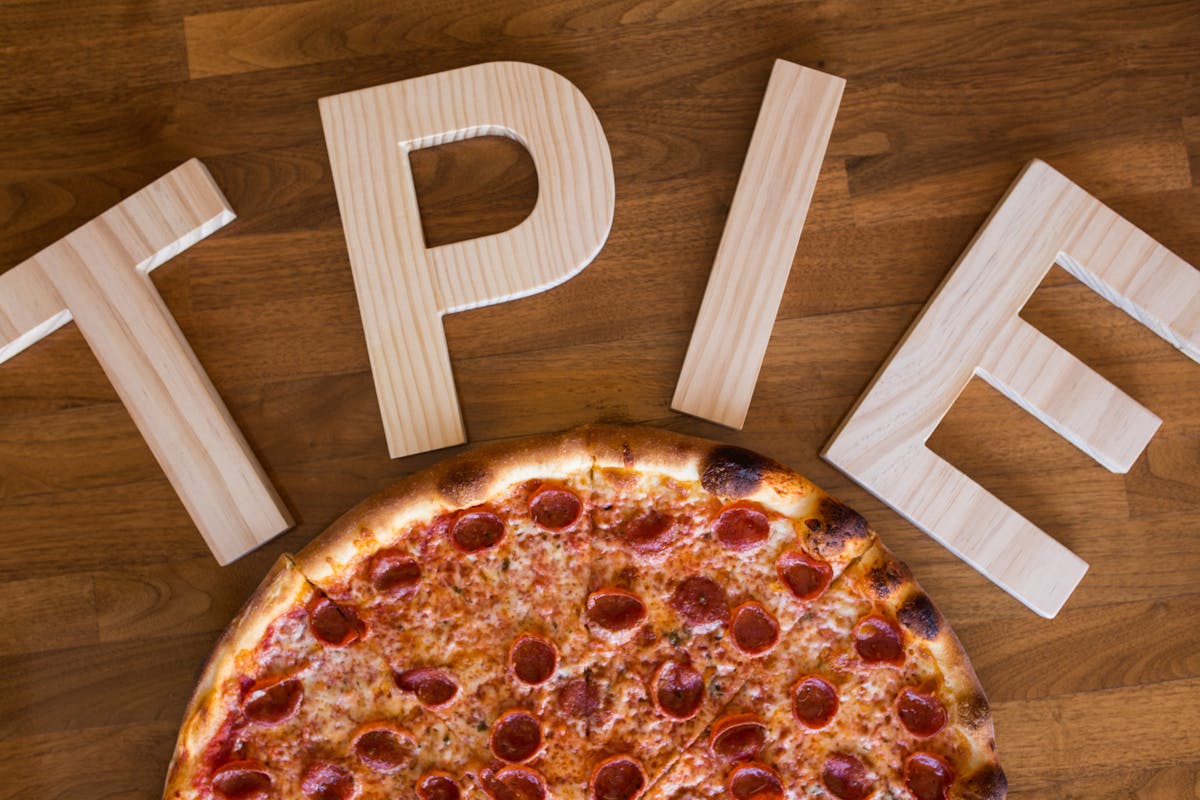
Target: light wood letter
pixel 758 244
pixel 971 327
pixel 99 276
pixel 403 287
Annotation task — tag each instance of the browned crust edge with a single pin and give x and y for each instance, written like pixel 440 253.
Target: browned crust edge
pixel 835 532
pixel 472 477
pixel 890 583
pixel 281 589
pixel 461 481
pixel 727 471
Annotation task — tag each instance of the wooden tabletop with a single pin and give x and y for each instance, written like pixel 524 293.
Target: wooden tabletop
pixel 111 600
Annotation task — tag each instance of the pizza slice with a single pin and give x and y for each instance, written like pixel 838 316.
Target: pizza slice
pixel 293 704
pixel 702 558
pixel 872 697
pixel 468 581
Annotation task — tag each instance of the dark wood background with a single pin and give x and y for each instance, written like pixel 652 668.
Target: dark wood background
pixel 109 598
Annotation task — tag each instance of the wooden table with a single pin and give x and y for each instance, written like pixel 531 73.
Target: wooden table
pixel 111 600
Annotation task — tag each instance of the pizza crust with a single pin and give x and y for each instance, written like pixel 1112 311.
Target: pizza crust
pixel 459 482
pixel 467 479
pixel 891 584
pixel 731 473
pixel 734 473
pixel 283 588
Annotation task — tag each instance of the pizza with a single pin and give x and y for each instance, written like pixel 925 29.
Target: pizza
pixel 610 613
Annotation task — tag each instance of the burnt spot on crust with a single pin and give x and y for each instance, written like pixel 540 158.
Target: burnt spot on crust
pixel 842 524
pixel 886 577
pixel 464 483
pixel 734 471
pixel 973 710
pixel 919 616
pixel 988 783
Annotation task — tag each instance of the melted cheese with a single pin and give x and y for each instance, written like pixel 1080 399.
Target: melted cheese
pixel 467 609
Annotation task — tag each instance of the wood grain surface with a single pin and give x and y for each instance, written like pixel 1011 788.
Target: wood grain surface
pixel 112 600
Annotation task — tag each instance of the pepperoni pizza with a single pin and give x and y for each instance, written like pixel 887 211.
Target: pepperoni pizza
pixel 607 614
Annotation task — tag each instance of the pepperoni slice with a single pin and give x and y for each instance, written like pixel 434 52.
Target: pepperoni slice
pixel 438 785
pixel 700 601
pixel 331 623
pixel 554 507
pixel 241 780
pixel 814 701
pixel 650 532
pixel 678 690
pixel 325 781
pixel 618 778
pixel 804 575
pixel 475 530
pixel 923 714
pixel 532 659
pixel 273 700
pixel 755 631
pixel 394 572
pixel 615 609
pixel 578 698
pixel 514 783
pixel 383 747
pixel 847 777
pixel 739 737
pixel 433 687
pixel 878 641
pixel 742 527
pixel 756 781
pixel 516 737
pixel 928 777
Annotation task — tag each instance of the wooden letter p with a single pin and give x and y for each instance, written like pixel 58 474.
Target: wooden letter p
pixel 403 287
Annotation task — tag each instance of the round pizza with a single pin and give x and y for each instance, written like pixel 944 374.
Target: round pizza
pixel 611 613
